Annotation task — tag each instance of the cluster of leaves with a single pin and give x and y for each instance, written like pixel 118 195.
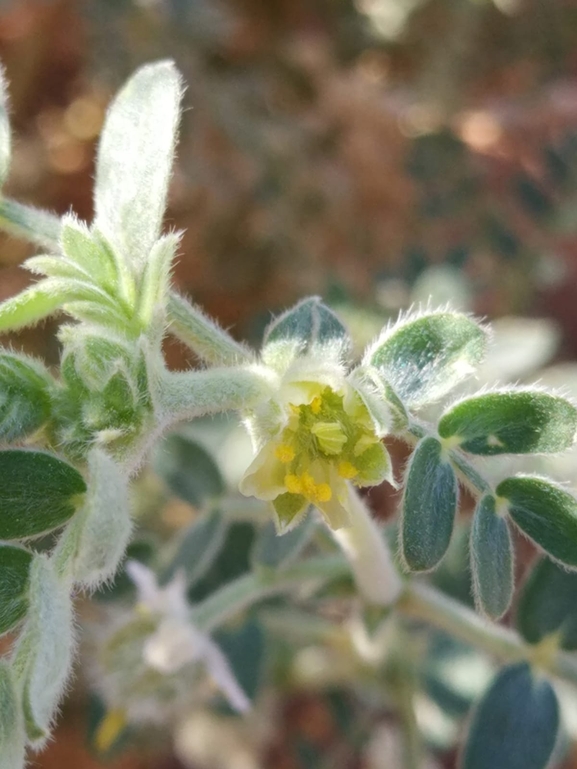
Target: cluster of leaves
pixel 91 429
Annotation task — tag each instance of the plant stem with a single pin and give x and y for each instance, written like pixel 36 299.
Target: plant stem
pixel 418 601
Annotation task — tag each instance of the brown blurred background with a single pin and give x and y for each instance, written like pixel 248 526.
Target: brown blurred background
pixel 338 147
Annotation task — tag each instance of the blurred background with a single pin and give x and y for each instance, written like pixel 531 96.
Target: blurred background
pixel 375 152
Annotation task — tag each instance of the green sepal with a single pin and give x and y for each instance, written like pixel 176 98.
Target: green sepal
pixel 492 559
pixel 511 422
pixel 546 513
pixel 25 388
pixel 547 605
pixel 515 725
pixel 38 492
pixel 290 510
pixel 425 356
pixel 14 582
pixel 308 327
pixel 429 506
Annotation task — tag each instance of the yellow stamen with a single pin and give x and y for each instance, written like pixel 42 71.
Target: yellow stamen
pixel 293 484
pixel 308 485
pixel 316 404
pixel 323 492
pixel 109 729
pixel 284 453
pixel 347 470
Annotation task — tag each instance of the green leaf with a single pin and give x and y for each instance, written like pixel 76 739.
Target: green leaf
pixel 89 252
pixel 31 305
pixel 511 422
pixel 306 327
pixel 5 139
pixel 12 737
pixel 492 559
pixel 429 506
pixel 46 643
pixel 198 548
pixel 274 551
pixel 423 357
pixel 547 605
pixel 38 492
pixel 14 581
pixel 546 513
pixel 135 161
pixel 245 650
pixel 24 396
pixel 188 470
pixel 515 725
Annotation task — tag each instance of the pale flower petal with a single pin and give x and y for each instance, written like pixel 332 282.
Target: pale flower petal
pixel 219 669
pixel 264 477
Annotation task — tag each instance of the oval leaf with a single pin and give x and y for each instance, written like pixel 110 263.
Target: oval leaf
pixel 511 422
pixel 546 513
pixel 24 396
pixel 492 559
pixel 273 551
pixel 429 507
pixel 198 548
pixel 14 581
pixel 188 470
pixel 515 725
pixel 307 326
pixel 425 356
pixel 135 160
pixel 38 492
pixel 547 605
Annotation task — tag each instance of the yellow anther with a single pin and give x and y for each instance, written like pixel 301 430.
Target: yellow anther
pixel 316 404
pixel 308 485
pixel 296 410
pixel 293 484
pixel 347 470
pixel 109 729
pixel 284 453
pixel 323 493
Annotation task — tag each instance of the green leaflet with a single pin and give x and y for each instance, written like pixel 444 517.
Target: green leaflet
pixel 306 327
pixel 38 492
pixel 198 548
pixel 515 725
pixel 429 506
pixel 12 737
pixel 546 513
pixel 547 605
pixel 492 559
pixel 423 357
pixel 511 422
pixel 24 396
pixel 135 161
pixel 14 582
pixel 188 470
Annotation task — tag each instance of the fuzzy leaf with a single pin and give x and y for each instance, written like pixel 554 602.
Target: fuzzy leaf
pixel 424 357
pixel 547 605
pixel 274 551
pixel 24 396
pixel 89 252
pixel 48 638
pixel 31 305
pixel 12 737
pixel 38 492
pixel 5 139
pixel 511 422
pixel 96 538
pixel 306 327
pixel 245 650
pixel 135 161
pixel 492 559
pixel 14 581
pixel 546 513
pixel 515 725
pixel 429 506
pixel 198 547
pixel 156 280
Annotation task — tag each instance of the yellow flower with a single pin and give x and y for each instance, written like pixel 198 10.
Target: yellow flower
pixel 321 438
